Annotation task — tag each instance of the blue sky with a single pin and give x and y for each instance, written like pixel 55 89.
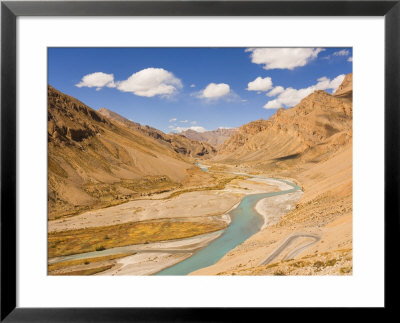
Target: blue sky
pixel 204 88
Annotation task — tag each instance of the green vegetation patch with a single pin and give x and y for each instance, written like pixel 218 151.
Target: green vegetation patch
pixel 93 239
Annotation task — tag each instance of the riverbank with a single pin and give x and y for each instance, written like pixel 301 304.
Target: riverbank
pixel 186 205
pixel 324 210
pixel 272 208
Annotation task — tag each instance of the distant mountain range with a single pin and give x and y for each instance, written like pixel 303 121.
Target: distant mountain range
pixel 214 138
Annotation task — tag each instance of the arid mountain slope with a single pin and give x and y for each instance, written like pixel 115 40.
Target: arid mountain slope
pixel 313 130
pixel 94 161
pixel 215 137
pixel 345 90
pixel 177 142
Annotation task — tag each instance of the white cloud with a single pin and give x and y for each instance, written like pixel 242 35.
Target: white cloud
pixel 195 128
pixel 184 121
pixel 273 104
pixel 97 80
pixel 275 91
pixel 326 84
pixel 283 58
pixel 343 52
pixel 193 85
pixel 172 120
pixel 350 59
pixel 260 84
pixel 151 82
pixel 215 91
pixel 290 96
pixel 193 122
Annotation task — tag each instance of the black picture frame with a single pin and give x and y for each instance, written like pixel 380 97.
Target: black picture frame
pixel 10 10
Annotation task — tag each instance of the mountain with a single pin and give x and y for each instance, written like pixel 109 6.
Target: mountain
pixel 95 161
pixel 312 131
pixel 345 90
pixel 179 143
pixel 214 138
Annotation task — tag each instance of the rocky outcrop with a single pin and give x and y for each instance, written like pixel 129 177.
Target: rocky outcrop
pixel 69 120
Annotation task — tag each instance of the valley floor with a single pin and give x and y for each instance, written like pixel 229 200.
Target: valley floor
pixel 196 212
pixel 303 234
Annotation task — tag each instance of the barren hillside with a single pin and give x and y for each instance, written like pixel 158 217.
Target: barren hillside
pixel 312 131
pixel 176 142
pixel 94 161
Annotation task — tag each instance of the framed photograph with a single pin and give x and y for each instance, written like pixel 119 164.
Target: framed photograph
pixel 172 160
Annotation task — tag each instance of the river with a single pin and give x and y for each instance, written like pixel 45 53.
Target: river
pixel 245 223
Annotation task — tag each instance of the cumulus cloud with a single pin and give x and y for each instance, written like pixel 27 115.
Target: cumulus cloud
pixel 275 91
pixel 172 120
pixel 343 52
pixel 215 91
pixel 195 128
pixel 273 104
pixel 325 83
pixel 350 59
pixel 283 58
pixel 193 85
pixel 260 84
pixel 97 80
pixel 151 82
pixel 290 96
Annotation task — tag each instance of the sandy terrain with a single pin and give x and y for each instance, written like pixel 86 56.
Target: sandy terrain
pixel 272 208
pixel 187 205
pixel 146 263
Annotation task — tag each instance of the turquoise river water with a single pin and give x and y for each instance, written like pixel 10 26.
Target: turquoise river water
pixel 245 222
